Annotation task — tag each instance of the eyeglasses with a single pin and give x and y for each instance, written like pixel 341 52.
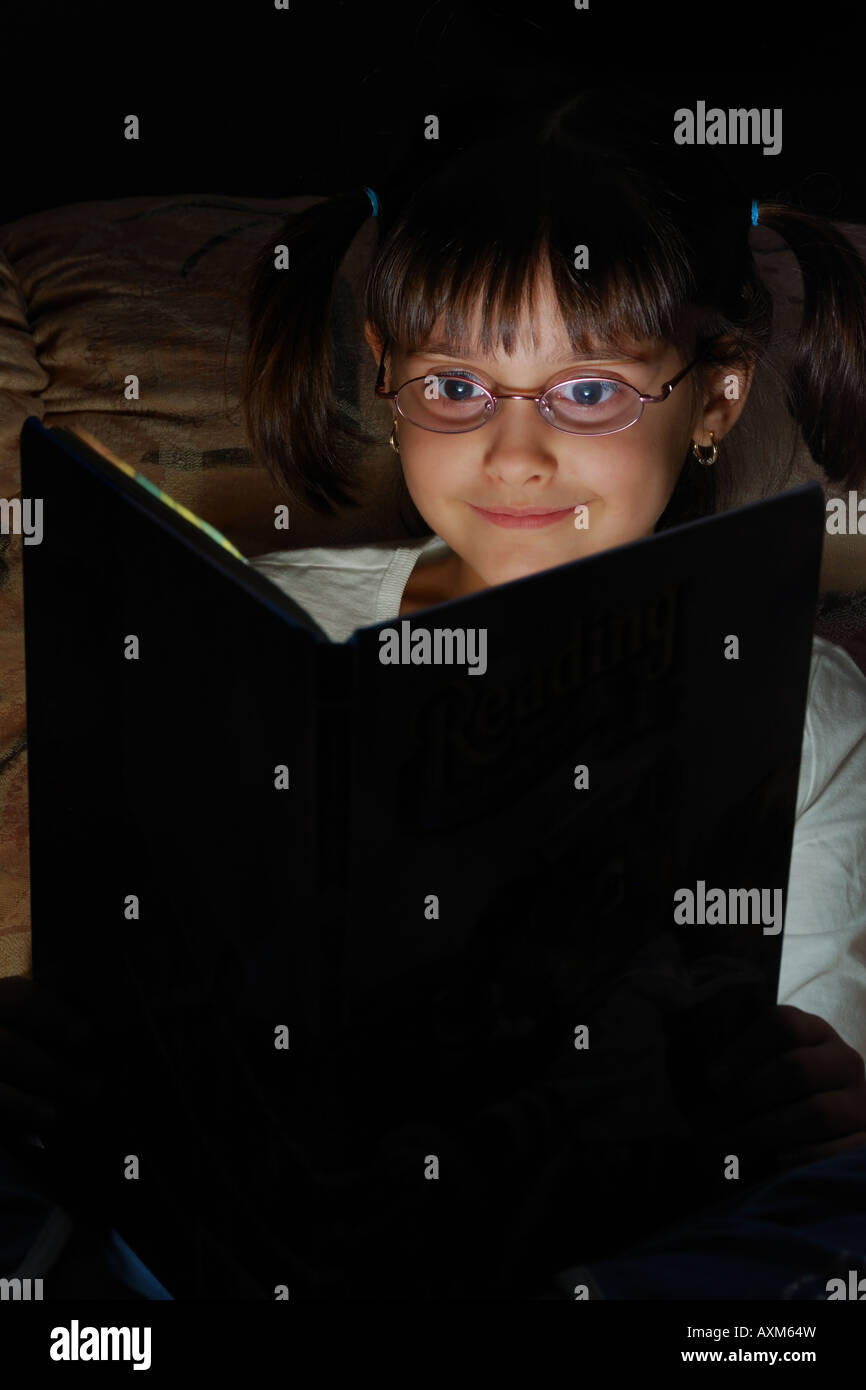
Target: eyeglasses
pixel 456 402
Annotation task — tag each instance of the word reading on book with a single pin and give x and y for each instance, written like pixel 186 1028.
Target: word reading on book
pixel 22 523
pixel 715 908
pixel 465 726
pixel 441 646
pixel 850 522
pixel 732 127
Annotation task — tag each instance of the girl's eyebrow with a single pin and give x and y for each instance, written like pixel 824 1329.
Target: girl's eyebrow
pixel 443 349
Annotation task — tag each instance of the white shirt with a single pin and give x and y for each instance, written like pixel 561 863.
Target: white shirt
pixel 823 966
pixel 349 586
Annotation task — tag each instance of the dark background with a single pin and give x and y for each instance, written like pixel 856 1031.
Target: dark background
pixel 248 100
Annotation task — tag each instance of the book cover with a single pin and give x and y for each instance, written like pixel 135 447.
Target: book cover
pixel 409 953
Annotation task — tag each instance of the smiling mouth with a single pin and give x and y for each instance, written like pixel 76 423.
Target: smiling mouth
pixel 527 517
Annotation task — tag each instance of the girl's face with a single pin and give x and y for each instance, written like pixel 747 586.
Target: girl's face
pixel 516 460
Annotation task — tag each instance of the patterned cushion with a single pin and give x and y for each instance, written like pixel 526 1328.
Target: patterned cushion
pixel 93 292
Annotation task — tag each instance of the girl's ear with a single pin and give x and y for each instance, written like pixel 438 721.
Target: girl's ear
pixel 374 342
pixel 725 392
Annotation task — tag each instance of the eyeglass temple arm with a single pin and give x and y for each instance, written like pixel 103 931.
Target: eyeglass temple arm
pixel 669 385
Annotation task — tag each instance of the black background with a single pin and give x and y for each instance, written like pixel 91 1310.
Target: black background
pixel 244 99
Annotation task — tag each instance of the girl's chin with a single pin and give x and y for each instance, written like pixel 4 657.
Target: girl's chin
pixel 515 567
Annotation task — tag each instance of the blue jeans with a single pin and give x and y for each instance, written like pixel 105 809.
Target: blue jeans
pixel 784 1240
pixel 39 1239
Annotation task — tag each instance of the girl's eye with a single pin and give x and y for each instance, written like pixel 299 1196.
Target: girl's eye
pixel 458 389
pixel 588 393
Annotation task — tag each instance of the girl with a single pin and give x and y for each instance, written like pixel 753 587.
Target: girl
pixel 472 291
pixel 594 247
pixel 473 295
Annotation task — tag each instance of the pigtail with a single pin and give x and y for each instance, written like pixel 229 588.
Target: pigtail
pixel 287 387
pixel 827 378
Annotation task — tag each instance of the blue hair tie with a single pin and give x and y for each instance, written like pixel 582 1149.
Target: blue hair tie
pixel 754 212
pixel 373 199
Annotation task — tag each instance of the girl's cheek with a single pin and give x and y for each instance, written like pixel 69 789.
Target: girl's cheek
pixel 433 474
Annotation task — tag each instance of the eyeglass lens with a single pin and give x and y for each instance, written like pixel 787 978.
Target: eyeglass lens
pixel 451 404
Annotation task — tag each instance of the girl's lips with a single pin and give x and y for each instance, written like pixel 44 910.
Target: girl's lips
pixel 525 521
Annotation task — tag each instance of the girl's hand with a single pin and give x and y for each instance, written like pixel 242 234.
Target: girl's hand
pixel 793 1088
pixel 42 1057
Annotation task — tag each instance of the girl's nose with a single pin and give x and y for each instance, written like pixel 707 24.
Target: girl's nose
pixel 519 443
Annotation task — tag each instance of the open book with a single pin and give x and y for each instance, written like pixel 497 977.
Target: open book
pixel 407 972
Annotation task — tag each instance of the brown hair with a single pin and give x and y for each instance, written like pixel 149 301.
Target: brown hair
pixel 668 237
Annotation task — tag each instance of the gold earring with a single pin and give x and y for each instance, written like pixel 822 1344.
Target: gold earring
pixel 699 451
pixel 393 437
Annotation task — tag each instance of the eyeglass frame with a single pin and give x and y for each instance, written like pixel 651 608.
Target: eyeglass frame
pixel 644 399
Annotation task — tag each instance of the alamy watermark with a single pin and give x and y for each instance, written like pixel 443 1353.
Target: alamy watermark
pixel 20 1290
pixel 76 1343
pixel 439 646
pixel 854 1288
pixel 846 521
pixel 737 126
pixel 736 907
pixel 22 523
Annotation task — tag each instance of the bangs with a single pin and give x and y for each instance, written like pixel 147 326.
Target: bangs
pixel 481 278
